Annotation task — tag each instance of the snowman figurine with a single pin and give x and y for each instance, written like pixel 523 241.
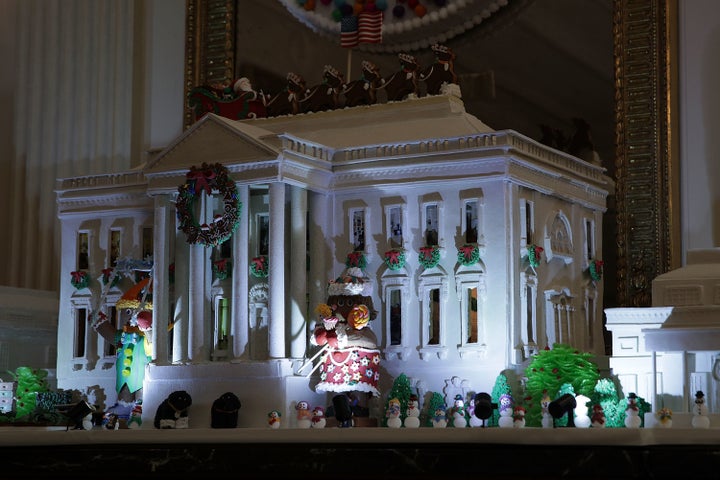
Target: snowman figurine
pixel 274 419
pixel 318 418
pixel 439 419
pixel 700 417
pixel 412 415
pixel 581 412
pixel 598 416
pixel 506 411
pixel 393 414
pixel 632 412
pixel 304 417
pixel 458 412
pixel 547 419
pixel 518 417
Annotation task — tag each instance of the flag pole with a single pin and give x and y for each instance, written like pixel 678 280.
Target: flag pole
pixel 349 62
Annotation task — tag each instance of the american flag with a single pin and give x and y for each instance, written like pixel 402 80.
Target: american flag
pixel 370 27
pixel 349 31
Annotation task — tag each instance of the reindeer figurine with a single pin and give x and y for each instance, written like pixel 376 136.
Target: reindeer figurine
pixel 287 102
pixel 364 90
pixel 403 84
pixel 441 72
pixel 325 96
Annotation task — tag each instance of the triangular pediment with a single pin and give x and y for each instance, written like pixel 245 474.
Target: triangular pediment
pixel 214 139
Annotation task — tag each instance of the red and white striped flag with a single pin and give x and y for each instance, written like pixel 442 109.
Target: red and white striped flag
pixel 370 27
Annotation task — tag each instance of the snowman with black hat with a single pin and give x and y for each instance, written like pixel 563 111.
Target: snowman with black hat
pixel 700 417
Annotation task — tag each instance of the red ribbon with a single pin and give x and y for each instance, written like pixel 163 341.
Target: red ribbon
pixel 427 252
pixel 201 178
pixel 467 250
pixel 354 258
pixel 393 256
pixel 259 263
pixel 221 264
pixel 78 276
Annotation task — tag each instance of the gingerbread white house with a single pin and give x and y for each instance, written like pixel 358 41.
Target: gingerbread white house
pixel 479 244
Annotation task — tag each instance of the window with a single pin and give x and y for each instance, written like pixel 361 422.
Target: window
pixel 357 234
pixel 470 221
pixel 527 225
pixel 431 224
pixel 80 341
pixel 560 239
pixel 559 317
pixel 221 327
pixel 395 226
pixel 471 291
pixel 263 233
pixel 589 239
pixel 395 315
pixel 108 349
pixel 528 316
pixel 432 324
pixel 147 242
pixel 114 250
pixel 470 314
pixel 83 249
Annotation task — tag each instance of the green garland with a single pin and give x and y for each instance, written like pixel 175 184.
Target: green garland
pixel 468 254
pixel 534 255
pixel 394 259
pixel 208 178
pixel 429 256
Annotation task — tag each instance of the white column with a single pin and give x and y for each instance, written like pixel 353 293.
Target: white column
pixel 199 338
pixel 298 271
pixel 239 328
pixel 319 250
pixel 653 381
pixel 161 258
pixel 181 315
pixel 276 276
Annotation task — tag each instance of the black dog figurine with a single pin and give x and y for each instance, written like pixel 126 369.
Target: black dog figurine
pixel 224 412
pixel 173 411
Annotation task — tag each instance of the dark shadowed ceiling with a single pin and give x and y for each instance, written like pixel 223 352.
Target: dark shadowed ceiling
pixel 531 62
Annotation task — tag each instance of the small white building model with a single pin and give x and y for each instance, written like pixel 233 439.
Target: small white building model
pixel 419 179
pixel 668 352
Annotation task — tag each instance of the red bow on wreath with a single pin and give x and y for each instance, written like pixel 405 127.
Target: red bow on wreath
pixel 78 276
pixel 221 265
pixel 427 252
pixel 467 250
pixel 393 256
pixel 259 263
pixel 201 178
pixel 354 259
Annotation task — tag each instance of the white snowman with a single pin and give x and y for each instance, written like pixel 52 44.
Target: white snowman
pixel 506 411
pixel 582 420
pixel 632 412
pixel 412 415
pixel 700 417
pixel 439 419
pixel 519 417
pixel 393 414
pixel 304 417
pixel 547 419
pixel 318 418
pixel 458 412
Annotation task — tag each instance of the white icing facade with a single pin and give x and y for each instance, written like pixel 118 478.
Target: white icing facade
pixel 314 188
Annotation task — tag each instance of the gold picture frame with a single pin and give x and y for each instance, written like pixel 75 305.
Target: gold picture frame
pixel 647 236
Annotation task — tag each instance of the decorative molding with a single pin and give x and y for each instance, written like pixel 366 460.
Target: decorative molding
pixel 647 171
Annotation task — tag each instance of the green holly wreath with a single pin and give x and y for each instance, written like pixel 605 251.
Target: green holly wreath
pixel 395 258
pixel 429 256
pixel 468 254
pixel 79 279
pixel 208 179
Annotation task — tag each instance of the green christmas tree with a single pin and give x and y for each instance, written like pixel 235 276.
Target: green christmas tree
pixel 550 369
pixel 605 394
pixel 436 402
pixel 401 390
pixel 502 387
pixel 30 382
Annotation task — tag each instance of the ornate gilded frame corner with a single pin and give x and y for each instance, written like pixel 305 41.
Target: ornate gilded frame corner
pixel 209 46
pixel 647 170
